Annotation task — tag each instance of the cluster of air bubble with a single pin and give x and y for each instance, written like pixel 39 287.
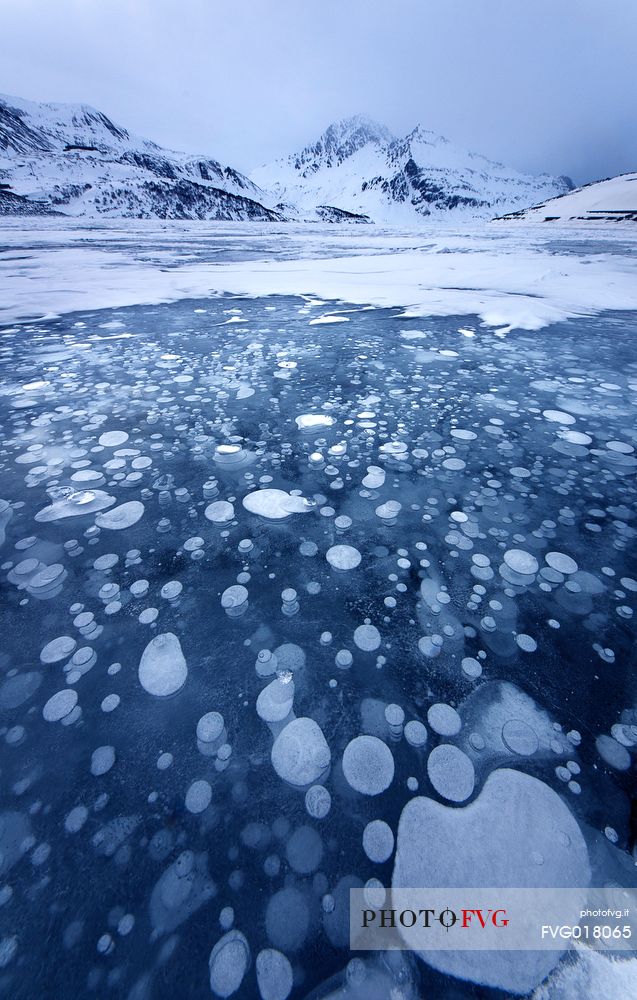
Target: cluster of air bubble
pixel 279 602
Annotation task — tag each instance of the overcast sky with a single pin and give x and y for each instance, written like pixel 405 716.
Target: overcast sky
pixel 543 85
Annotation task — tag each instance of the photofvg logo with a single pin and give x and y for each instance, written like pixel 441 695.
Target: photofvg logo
pixel 447 918
pixel 496 919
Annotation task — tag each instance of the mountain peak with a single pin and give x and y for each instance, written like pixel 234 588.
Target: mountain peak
pixel 426 136
pixel 31 125
pixel 357 166
pixel 359 125
pixel 339 141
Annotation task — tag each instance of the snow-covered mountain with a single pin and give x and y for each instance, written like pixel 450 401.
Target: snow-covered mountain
pixel 357 167
pixel 72 159
pixel 610 200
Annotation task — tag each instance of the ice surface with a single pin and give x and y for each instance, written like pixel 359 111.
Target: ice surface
pixel 210 727
pixel 76 504
pixel 122 517
pixel 275 701
pixel 535 842
pixel 590 974
pixel 219 512
pixel 198 796
pixel 312 421
pixel 234 600
pixel 58 649
pixel 304 850
pixel 451 772
pixel 287 919
pixel 343 557
pixel 318 801
pixel 561 562
pixel 509 276
pixel 182 888
pixel 228 963
pixel 368 765
pixel 60 705
pixel 19 688
pixel 274 975
pixel 112 439
pixel 76 819
pixel 274 505
pixel 102 760
pixel 521 562
pixel 300 753
pixel 415 733
pixel 613 753
pixel 290 657
pixel 162 669
pixel 444 719
pixel 439 463
pixel 378 840
pixel 520 738
pixel 367 637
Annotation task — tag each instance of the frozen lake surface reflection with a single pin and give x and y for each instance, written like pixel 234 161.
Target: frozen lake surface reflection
pixel 275 574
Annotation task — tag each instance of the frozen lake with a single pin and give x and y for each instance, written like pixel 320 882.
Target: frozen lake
pixel 262 557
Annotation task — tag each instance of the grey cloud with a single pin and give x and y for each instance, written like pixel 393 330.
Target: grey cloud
pixel 543 85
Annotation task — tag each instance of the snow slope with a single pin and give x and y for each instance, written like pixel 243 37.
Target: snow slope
pixel 611 200
pixel 357 166
pixel 72 159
